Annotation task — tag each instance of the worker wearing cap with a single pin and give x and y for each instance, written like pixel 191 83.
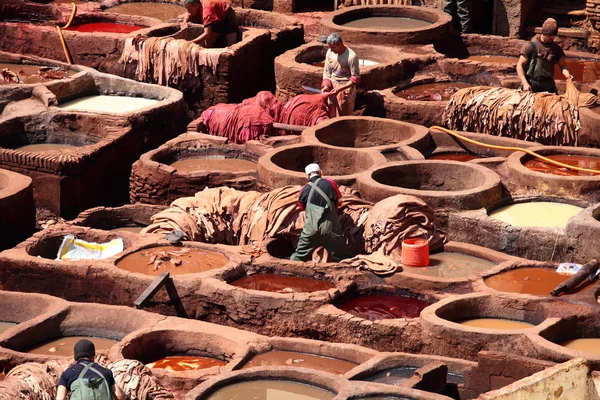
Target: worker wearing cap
pixel 320 199
pixel 538 57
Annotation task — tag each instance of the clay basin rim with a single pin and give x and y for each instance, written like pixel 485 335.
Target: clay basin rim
pixel 341 17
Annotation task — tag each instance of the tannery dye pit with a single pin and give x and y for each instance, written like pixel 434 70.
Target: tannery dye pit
pixel 387 23
pixel 278 358
pixel 107 104
pixel 377 306
pixel 185 363
pixel 105 27
pixel 439 91
pixel 213 164
pixel 63 347
pixel 496 323
pixel 452 265
pixel 537 281
pixel 271 390
pixel 577 161
pixel 281 283
pixel 175 260
pixel 536 214
pixel 30 74
pixel 164 12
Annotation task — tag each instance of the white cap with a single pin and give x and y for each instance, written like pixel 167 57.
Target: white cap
pixel 310 168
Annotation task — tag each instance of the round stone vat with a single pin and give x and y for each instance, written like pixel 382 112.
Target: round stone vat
pixel 537 212
pixel 16 207
pixel 55 336
pixel 452 268
pixel 20 309
pixel 441 184
pixel 483 322
pixel 256 382
pixel 380 305
pixel 177 260
pixel 100 24
pixel 130 217
pixel 48 244
pixel 368 132
pixel 161 11
pixel 570 338
pixel 332 358
pixel 380 67
pixel 543 178
pixel 287 32
pixel 182 359
pixel 408 25
pixel 536 279
pixel 584 226
pixel 184 166
pixel 400 370
pixel 423 98
pixel 285 165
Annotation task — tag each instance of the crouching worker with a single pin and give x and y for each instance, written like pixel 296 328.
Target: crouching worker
pixel 322 227
pixel 219 20
pixel 86 379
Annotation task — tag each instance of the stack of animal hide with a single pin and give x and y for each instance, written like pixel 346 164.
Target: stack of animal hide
pixel 168 61
pixel 538 117
pixel 228 216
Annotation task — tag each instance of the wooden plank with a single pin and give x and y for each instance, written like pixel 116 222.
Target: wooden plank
pixel 151 290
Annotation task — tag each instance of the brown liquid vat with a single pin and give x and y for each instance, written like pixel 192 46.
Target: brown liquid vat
pixel 150 345
pixel 439 25
pixel 156 178
pixel 285 165
pixel 552 340
pixel 368 132
pixel 442 184
pixel 584 187
pixel 177 260
pixel 447 315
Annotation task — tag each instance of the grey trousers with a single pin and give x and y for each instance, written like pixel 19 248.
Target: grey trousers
pixel 462 9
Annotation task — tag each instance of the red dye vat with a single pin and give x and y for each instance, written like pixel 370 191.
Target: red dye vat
pixel 576 161
pixel 106 27
pixel 375 307
pixel 282 283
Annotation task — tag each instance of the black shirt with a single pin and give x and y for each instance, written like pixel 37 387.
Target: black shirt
pixel 72 373
pixel 326 185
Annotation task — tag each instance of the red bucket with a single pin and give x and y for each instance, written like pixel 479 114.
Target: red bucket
pixel 415 253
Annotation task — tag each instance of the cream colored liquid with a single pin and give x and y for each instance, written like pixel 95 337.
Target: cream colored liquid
pixel 4 326
pixel 271 390
pixel 132 229
pixel 108 104
pixel 590 346
pixel 496 323
pixel 43 147
pixel 214 164
pixel 452 265
pixel 64 346
pixel 541 214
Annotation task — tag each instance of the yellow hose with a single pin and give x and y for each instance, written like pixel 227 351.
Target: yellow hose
pixel 60 35
pixel 509 148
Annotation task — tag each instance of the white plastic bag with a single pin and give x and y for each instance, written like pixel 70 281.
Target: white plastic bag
pixel 77 249
pixel 568 268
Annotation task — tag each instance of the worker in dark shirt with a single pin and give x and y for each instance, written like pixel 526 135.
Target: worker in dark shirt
pixel 537 59
pixel 85 370
pixel 320 198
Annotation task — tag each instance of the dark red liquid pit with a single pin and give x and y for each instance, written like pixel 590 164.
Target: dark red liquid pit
pixel 377 307
pixel 577 161
pixel 106 27
pixel 454 157
pixel 282 283
pixel 432 91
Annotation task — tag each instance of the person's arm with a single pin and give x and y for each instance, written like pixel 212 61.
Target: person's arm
pixel 118 393
pixel 563 66
pixel 338 195
pixel 207 36
pixel 303 198
pixel 61 393
pixel 521 72
pixel 327 84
